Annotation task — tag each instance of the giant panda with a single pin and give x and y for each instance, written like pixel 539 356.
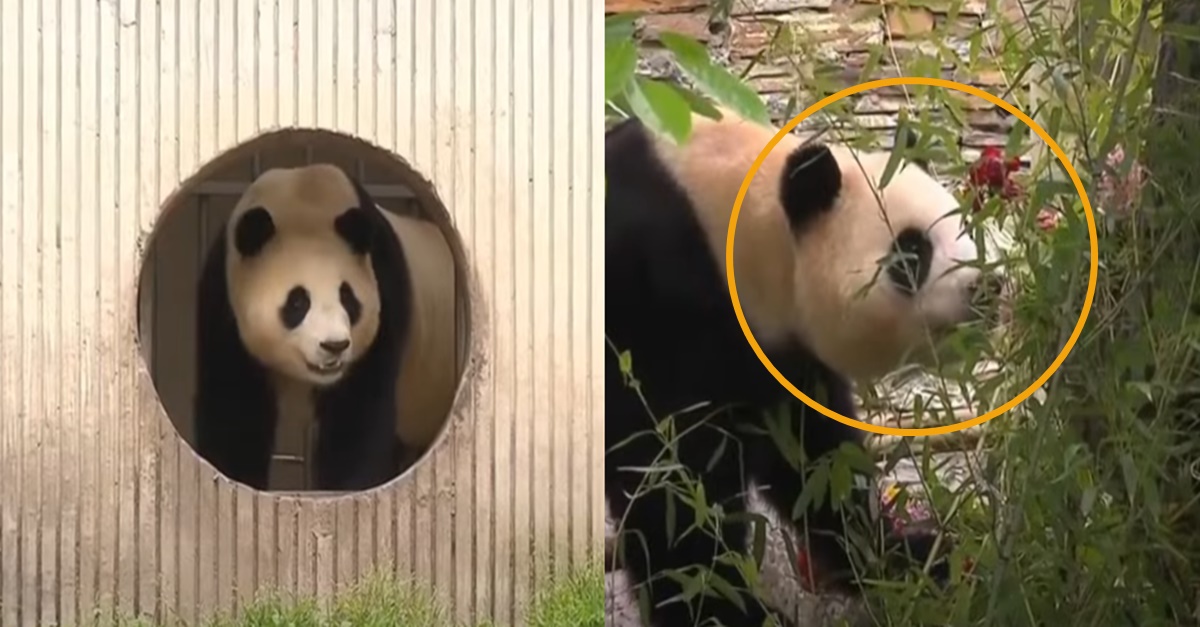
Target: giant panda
pixel 303 311
pixel 810 239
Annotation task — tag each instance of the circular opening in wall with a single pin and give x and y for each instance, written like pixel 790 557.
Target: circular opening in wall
pixel 305 329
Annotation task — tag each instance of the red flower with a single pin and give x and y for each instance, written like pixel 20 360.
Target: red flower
pixel 990 175
pixel 991 169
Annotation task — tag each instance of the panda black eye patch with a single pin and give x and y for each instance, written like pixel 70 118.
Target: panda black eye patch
pixel 350 302
pixel 913 255
pixel 295 308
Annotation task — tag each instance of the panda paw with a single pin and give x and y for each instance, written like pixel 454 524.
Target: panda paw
pixel 914 533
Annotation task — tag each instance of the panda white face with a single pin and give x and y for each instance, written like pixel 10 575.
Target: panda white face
pixel 302 287
pixel 895 273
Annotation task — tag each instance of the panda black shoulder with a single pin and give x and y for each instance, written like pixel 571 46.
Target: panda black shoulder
pixel 653 239
pixel 666 296
pixel 390 265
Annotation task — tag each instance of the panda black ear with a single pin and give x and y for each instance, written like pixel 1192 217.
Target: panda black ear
pixel 356 228
pixel 810 184
pixel 253 230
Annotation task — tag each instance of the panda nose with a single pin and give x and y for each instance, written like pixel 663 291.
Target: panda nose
pixel 335 347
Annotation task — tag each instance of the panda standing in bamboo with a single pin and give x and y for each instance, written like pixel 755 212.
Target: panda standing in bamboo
pixel 813 230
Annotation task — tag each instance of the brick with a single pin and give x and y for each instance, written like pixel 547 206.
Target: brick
pixel 652 6
pixel 973 7
pixel 877 121
pixel 963 27
pixel 694 25
pixel 747 38
pixel 909 51
pixel 983 77
pixel 968 7
pixel 990 120
pixel 978 139
pixel 908 22
pixel 777 105
pixel 857 12
pixel 773 84
pixel 969 102
pixel 1012 10
pixel 825 32
pixel 872 102
pixel 988 77
pixel 887 70
pixel 761 69
pixel 759 7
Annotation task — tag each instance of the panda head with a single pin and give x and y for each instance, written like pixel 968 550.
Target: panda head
pixel 864 277
pixel 298 265
pixel 881 274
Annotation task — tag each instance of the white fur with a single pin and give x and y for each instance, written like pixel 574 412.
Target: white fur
pixel 853 312
pixel 305 251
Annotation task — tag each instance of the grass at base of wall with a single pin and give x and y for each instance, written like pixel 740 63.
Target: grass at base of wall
pixel 576 600
pixel 384 601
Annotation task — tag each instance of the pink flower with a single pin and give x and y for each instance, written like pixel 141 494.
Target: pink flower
pixel 1048 219
pixel 1119 194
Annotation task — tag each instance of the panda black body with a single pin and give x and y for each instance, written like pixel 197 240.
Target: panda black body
pixel 668 304
pixel 306 269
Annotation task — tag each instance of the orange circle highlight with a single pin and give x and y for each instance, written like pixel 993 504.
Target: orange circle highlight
pixel 948 84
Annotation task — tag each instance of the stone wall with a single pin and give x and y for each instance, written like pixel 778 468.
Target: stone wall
pixel 786 43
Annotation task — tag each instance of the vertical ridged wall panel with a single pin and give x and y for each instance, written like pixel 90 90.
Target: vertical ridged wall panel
pixel 106 108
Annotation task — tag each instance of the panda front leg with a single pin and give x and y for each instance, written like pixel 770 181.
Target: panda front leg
pixel 650 549
pixel 831 557
pixel 356 441
pixel 827 524
pixel 235 432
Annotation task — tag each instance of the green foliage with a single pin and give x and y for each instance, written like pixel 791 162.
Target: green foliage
pixel 1086 504
pixel 665 106
pixel 577 601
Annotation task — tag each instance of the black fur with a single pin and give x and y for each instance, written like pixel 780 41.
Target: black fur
pixel 668 305
pixel 253 231
pixel 356 227
pixel 810 184
pixel 235 404
pixel 915 254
